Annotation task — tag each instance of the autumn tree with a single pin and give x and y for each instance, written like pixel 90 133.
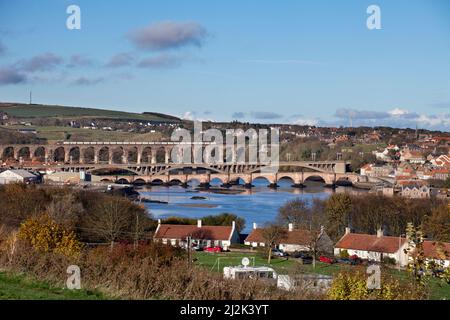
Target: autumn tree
pixel 437 225
pixel 338 209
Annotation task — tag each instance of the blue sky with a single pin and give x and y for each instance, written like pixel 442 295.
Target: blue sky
pixel 287 61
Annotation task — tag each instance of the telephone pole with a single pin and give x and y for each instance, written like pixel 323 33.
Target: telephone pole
pixel 31 96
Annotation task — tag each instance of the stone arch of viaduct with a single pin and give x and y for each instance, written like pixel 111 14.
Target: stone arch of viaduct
pixel 89 153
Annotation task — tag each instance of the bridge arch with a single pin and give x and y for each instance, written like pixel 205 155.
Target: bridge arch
pixel 59 154
pixel 24 153
pixel 285 179
pixel 139 182
pixel 216 181
pixel 122 181
pixel 8 153
pixel 75 154
pixel 103 155
pixel 260 179
pixel 40 153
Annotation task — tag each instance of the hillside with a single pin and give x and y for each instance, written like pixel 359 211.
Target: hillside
pixel 29 111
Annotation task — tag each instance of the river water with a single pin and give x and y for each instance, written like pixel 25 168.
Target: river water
pixel 260 204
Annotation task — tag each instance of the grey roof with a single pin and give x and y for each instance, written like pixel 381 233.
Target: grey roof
pixel 20 172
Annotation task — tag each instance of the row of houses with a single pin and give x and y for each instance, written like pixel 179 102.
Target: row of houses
pixel 371 247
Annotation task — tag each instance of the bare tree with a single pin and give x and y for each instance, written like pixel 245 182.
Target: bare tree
pixel 272 234
pixel 110 219
pixel 65 210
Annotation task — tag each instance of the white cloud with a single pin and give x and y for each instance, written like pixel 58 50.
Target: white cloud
pixel 306 122
pixel 397 112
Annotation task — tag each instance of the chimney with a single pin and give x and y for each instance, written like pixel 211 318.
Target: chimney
pixel 233 225
pixel 380 233
pixel 347 230
pixel 255 226
pixel 291 227
pixel 199 223
pixel 159 221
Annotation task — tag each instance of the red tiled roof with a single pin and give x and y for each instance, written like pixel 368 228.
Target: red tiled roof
pixel 429 250
pixel 296 236
pixel 173 231
pixel 367 242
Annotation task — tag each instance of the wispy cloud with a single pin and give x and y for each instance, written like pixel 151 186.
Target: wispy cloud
pixel 9 75
pixel 121 60
pixel 160 62
pixel 168 35
pixel 397 117
pixel 85 81
pixel 43 62
pixel 262 115
pixel 79 60
pixel 280 61
pixel 238 115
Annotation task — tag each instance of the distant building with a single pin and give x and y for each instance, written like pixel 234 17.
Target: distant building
pixel 441 161
pixel 412 156
pixel 296 240
pixel 27 130
pixel 3 115
pixel 374 170
pixel 203 236
pixel 17 176
pixel 415 191
pixel 441 174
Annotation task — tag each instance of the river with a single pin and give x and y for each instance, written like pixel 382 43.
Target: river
pixel 260 204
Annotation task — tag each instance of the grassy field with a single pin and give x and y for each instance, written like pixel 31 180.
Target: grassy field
pixel 36 110
pixel 217 261
pixel 78 134
pixel 20 287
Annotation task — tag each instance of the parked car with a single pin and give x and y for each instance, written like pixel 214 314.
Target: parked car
pixel 278 253
pixel 213 249
pixel 346 261
pixel 326 260
pixel 303 257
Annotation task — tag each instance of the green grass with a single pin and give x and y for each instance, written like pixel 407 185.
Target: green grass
pixel 52 133
pixel 21 287
pixel 217 261
pixel 36 110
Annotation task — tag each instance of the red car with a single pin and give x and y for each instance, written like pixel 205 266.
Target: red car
pixel 326 260
pixel 213 249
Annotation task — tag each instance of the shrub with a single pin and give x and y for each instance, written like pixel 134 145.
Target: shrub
pixel 343 254
pixel 353 286
pixel 45 235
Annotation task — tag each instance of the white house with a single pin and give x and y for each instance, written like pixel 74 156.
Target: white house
pixel 439 252
pixel 373 247
pixel 17 176
pixel 204 236
pixel 295 240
